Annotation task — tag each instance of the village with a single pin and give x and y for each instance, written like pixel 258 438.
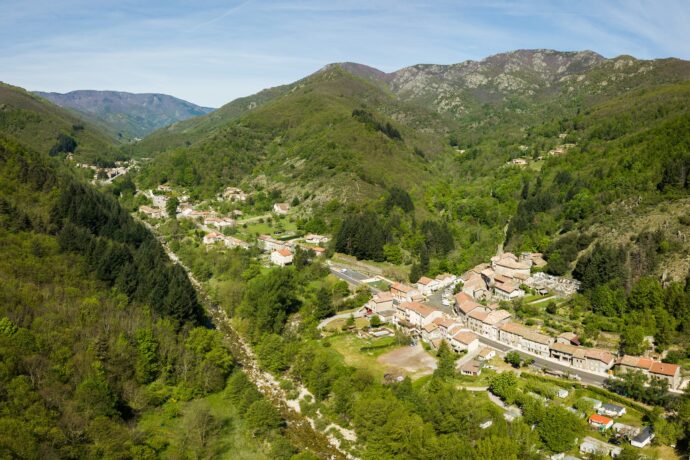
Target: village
pixel 464 311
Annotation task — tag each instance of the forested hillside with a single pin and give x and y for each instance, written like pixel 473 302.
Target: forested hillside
pixel 125 115
pixel 47 128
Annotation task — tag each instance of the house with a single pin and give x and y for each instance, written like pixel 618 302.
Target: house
pixel 213 237
pixel 312 238
pixel 472 367
pixel 508 264
pixel 380 302
pixel 508 291
pixel 403 293
pixel 445 280
pixel 562 351
pixel 600 422
pixel 318 251
pixel 282 257
pixel 643 438
pixel 219 222
pixel 234 194
pixel 447 327
pixel 611 410
pixel 667 371
pixel 593 359
pixel 568 338
pixel 430 333
pixel 152 212
pixel 281 208
pixel 593 446
pixel 485 322
pixel 524 338
pixel 464 304
pixel 270 244
pixel 486 354
pixel 464 341
pixel 476 287
pixel 416 314
pixel 232 242
pixel 426 286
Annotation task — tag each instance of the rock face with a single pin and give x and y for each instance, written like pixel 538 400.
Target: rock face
pixel 127 115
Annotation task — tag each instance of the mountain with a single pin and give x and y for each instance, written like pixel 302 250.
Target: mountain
pixel 127 115
pixel 323 138
pixel 38 124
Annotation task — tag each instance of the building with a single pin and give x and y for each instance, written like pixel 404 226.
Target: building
pixel 464 304
pixel 600 422
pixel 464 341
pixel 232 242
pixel 643 438
pixel 219 222
pixel 472 367
pixel 593 446
pixel 270 244
pixel 445 280
pixel 447 326
pixel 426 286
pixel 476 287
pixel 403 292
pixel 593 359
pixel 508 291
pixel 568 338
pixel 509 265
pixel 234 194
pixel 213 237
pixel 611 410
pixel 485 322
pixel 152 212
pixel 382 301
pixel 519 336
pixel 486 354
pixel 416 314
pixel 651 368
pixel 282 257
pixel 312 238
pixel 281 208
pixel 430 333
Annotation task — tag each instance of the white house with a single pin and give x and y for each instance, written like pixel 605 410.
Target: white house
pixel 213 237
pixel 404 293
pixel 426 286
pixel 281 208
pixel 416 314
pixel 312 238
pixel 282 257
pixel 464 340
pixel 234 194
pixel 271 244
pixel 643 438
pixel 232 242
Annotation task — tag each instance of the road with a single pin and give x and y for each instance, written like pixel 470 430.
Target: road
pixel 588 378
pixel 352 277
pixel 325 322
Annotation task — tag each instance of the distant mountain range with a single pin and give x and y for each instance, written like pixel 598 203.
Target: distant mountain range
pixel 126 115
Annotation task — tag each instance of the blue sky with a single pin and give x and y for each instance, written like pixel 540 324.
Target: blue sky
pixel 210 52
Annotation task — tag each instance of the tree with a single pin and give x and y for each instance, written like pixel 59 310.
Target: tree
pixel 504 385
pixel 513 358
pixel 324 304
pixel 633 341
pixel 446 361
pixel 269 299
pixel 262 418
pixel 199 424
pixel 147 356
pixel 171 207
pixel 559 429
pixel 375 321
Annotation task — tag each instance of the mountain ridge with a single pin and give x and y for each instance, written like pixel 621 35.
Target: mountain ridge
pixel 127 115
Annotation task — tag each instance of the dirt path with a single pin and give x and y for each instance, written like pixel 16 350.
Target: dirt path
pixel 300 429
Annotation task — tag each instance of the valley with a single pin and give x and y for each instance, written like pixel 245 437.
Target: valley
pixel 482 260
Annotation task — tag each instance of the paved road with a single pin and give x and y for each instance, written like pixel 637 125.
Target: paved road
pixel 587 377
pixel 352 277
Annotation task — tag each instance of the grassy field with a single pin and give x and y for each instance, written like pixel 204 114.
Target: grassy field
pixel 178 428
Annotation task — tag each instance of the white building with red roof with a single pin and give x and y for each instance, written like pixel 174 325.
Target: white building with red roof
pixel 282 257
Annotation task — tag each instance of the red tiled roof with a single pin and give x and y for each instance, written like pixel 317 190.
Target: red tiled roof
pixel 465 337
pixel 599 419
pixel 423 310
pixel 664 369
pixel 285 252
pixel 402 287
pixel 424 280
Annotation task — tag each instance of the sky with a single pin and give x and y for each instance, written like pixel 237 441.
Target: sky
pixel 211 52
